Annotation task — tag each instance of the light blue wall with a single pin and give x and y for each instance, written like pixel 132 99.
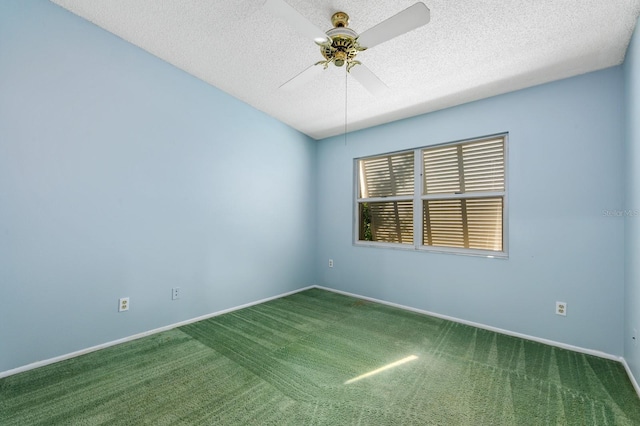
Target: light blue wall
pixel 565 164
pixel 123 176
pixel 632 202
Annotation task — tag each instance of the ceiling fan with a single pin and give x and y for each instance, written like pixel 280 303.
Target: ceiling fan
pixel 340 45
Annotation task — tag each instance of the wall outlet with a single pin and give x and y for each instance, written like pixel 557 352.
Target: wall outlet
pixel 123 304
pixel 175 293
pixel 330 263
pixel 561 309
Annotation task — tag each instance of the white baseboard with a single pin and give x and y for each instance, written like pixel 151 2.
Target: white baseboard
pixel 482 326
pixel 634 382
pixel 140 335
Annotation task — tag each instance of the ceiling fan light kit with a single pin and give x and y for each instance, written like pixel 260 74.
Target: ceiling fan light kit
pixel 340 45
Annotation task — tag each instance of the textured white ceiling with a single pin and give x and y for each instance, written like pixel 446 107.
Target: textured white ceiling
pixel 471 49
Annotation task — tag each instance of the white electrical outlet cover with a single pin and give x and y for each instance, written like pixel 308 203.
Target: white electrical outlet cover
pixel 561 308
pixel 123 304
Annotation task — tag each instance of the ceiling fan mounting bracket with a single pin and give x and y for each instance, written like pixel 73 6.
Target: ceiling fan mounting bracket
pixel 340 19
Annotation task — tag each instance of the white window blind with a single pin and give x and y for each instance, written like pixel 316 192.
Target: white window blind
pixel 463 195
pixel 392 221
pixel 459 189
pixel 468 223
pixel 467 167
pixel 386 198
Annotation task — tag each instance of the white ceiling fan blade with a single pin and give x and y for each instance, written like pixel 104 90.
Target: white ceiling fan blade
pixel 409 19
pixel 291 16
pixel 368 79
pixel 303 78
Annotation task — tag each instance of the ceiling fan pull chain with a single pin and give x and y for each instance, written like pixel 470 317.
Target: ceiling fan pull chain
pixel 346 97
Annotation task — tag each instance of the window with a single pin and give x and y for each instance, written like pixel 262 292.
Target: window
pixel 386 191
pixel 448 197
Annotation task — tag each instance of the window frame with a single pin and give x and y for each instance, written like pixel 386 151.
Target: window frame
pixel 419 199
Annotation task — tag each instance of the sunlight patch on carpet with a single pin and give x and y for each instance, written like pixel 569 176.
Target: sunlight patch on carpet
pixel 381 369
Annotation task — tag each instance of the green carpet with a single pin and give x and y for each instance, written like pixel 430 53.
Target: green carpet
pixel 299 360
